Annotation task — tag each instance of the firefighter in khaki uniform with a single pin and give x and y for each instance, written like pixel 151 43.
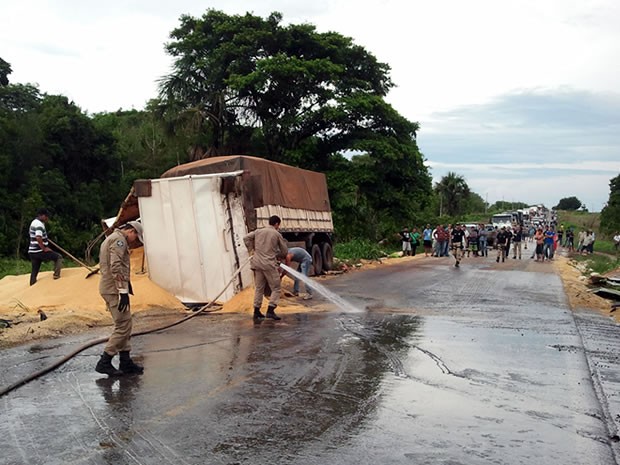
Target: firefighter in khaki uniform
pixel 268 246
pixel 115 288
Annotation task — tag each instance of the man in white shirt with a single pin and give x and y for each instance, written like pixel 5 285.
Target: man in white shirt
pixel 39 250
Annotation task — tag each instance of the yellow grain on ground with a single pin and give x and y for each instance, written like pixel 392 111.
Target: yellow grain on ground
pixel 71 303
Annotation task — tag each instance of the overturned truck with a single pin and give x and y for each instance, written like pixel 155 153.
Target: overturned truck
pixel 196 215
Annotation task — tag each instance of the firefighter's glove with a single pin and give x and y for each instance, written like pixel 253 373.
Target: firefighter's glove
pixel 123 302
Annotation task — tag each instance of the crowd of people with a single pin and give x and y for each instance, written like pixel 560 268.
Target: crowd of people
pixel 476 240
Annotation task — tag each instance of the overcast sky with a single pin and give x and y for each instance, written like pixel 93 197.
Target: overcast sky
pixel 519 97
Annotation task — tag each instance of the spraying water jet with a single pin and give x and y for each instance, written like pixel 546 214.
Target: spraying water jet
pixel 344 305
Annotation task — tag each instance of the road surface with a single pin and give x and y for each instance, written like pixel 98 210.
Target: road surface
pixel 484 364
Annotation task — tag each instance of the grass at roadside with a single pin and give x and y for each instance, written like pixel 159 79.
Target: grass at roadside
pixel 598 263
pixel 579 220
pixel 359 249
pixel 14 266
pixel 605 247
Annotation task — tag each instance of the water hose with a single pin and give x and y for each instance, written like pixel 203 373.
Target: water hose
pixel 94 342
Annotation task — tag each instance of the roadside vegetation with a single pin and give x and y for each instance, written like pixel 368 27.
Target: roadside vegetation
pixel 81 166
pixel 360 249
pixel 17 266
pixel 597 263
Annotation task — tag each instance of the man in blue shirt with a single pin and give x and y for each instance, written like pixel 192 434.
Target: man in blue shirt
pixel 304 259
pixel 427 235
pixel 548 243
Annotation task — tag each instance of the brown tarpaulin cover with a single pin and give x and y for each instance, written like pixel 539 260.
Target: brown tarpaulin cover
pixel 281 184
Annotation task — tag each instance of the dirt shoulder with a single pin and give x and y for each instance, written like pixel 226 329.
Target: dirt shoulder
pixel 72 304
pixel 577 290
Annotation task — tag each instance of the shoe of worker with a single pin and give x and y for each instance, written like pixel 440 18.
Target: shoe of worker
pixel 257 314
pixel 497 260
pixel 295 293
pixel 272 314
pixel 307 296
pixel 105 367
pixel 127 365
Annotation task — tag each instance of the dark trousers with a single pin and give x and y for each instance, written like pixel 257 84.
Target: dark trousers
pixel 40 257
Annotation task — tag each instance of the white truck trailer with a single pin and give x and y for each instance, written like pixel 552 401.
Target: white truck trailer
pixel 196 215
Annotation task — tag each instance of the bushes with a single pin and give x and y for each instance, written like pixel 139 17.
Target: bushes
pixel 358 249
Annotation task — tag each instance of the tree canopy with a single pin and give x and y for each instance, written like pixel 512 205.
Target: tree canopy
pixel 291 82
pixel 250 85
pixel 610 215
pixel 454 193
pixel 568 203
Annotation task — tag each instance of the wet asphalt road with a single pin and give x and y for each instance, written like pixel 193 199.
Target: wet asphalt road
pixel 484 364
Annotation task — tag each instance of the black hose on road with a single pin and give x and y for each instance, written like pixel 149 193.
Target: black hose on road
pixel 101 340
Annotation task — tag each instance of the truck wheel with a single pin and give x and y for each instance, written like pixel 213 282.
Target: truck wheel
pixel 317 261
pixel 328 256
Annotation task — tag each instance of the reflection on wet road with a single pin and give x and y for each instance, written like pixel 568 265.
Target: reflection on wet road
pixel 446 366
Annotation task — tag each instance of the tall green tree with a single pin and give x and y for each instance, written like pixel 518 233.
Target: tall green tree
pixel 288 93
pixel 610 215
pixel 5 70
pixel 453 192
pixel 291 82
pixel 568 203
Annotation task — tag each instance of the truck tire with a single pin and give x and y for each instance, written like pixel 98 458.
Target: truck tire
pixel 328 256
pixel 317 261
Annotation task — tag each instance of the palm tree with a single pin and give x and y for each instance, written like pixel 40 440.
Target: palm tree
pixel 453 191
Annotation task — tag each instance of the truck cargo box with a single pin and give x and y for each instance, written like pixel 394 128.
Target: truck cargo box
pixel 196 215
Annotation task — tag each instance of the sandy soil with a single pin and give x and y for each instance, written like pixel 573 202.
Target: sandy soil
pixel 577 290
pixel 72 303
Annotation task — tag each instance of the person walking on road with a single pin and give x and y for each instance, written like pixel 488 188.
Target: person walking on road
pixel 427 237
pixel 482 241
pixel 539 238
pixel 457 240
pixel 39 250
pixel 268 246
pixel 548 244
pixel 501 240
pixel 405 237
pixel 415 240
pixel 517 239
pixel 304 259
pixel 115 289
pixel 441 236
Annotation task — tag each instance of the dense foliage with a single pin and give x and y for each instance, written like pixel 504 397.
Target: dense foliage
pixel 610 215
pixel 309 99
pixel 52 154
pixel 568 203
pixel 240 84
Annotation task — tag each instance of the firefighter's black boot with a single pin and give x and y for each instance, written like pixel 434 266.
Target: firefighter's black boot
pixel 257 314
pixel 271 314
pixel 105 367
pixel 127 365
